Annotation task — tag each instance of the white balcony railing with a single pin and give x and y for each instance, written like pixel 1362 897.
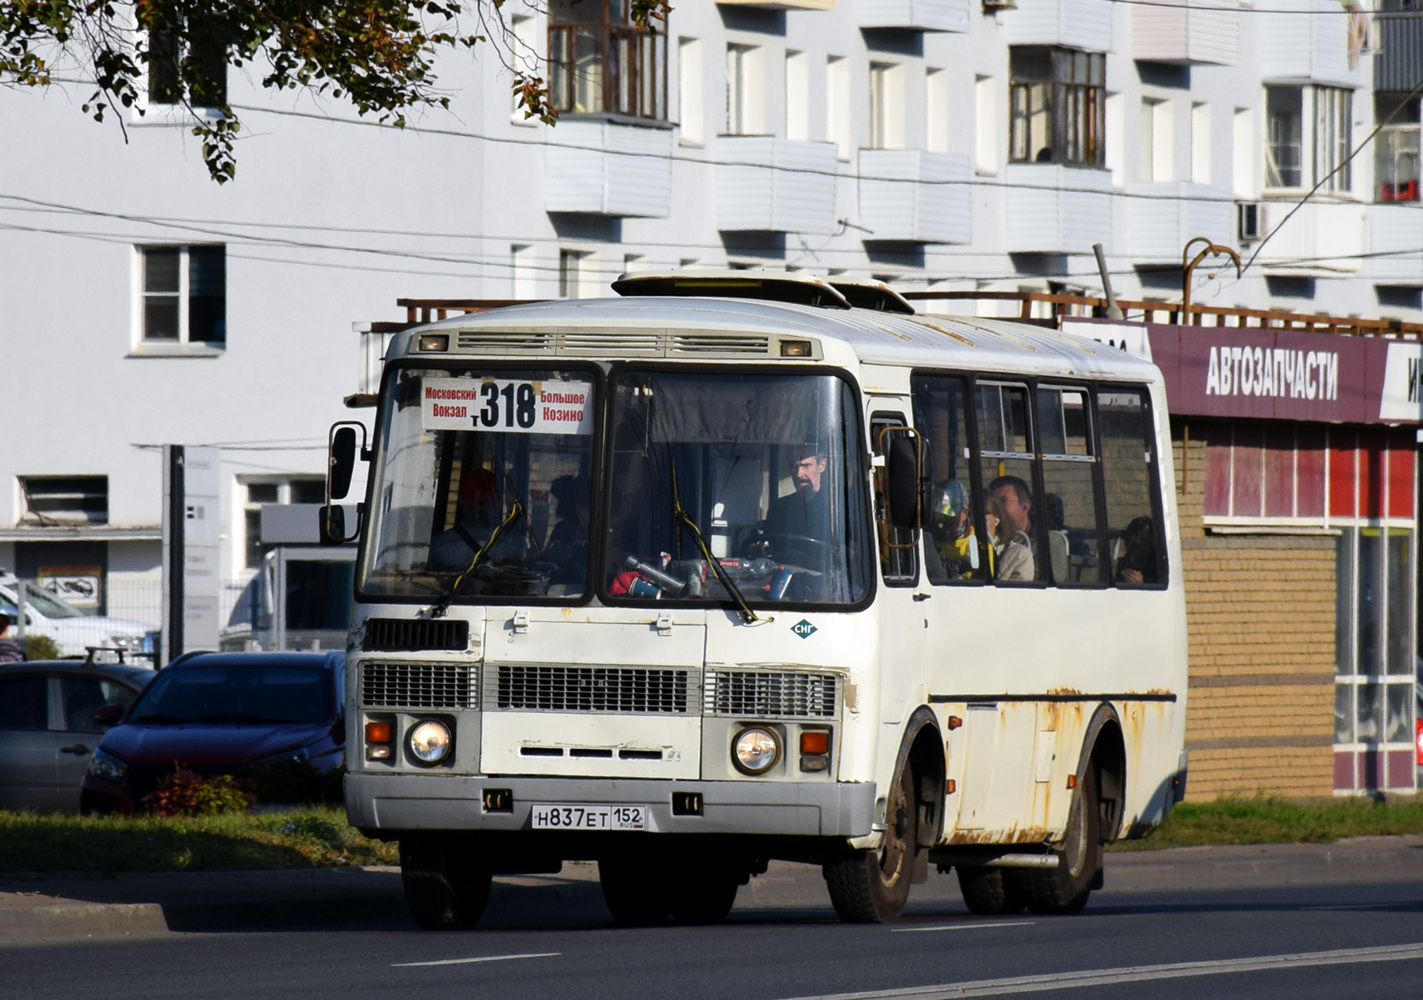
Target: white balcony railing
pixel 1182 32
pixel 1165 216
pixel 769 184
pixel 608 168
pixel 1076 24
pixel 1394 240
pixel 914 196
pixel 1057 209
pixel 918 15
pixel 1310 44
pixel 1320 238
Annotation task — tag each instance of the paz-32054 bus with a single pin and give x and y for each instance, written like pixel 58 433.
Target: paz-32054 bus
pixel 739 567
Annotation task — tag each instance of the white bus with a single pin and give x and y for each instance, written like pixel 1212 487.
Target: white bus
pixel 742 567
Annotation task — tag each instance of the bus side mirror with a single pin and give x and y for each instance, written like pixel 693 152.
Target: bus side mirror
pixel 341 461
pixel 902 475
pixel 331 520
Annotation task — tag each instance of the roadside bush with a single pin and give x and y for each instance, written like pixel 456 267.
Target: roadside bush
pixel 296 782
pixel 41 647
pixel 184 793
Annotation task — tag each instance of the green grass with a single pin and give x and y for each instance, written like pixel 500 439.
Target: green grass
pixel 1280 821
pixel 303 838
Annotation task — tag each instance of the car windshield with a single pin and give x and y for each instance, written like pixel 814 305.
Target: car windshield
pixel 42 601
pixel 237 694
pixel 737 487
pixel 483 479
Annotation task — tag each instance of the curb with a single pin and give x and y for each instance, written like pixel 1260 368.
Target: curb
pixel 39 924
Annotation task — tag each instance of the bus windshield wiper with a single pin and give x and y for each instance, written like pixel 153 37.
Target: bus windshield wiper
pixel 679 513
pixel 438 609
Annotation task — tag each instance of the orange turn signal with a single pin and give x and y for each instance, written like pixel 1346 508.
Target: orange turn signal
pixel 954 722
pixel 379 732
pixel 1072 781
pixel 815 742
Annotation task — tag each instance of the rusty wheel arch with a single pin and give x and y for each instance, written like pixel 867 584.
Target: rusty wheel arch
pixel 922 746
pixel 1104 748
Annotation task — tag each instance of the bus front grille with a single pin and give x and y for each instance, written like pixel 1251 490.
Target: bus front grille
pixel 591 689
pixel 419 685
pixel 764 694
pixel 393 635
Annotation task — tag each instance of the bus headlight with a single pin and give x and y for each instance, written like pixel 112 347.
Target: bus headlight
pixel 430 741
pixel 755 750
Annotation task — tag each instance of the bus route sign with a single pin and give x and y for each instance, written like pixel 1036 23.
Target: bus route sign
pixel 514 406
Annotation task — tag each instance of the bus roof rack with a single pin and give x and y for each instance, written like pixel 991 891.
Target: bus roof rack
pixel 777 286
pixel 869 293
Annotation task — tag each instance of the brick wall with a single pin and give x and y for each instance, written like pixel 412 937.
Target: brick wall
pixel 1260 627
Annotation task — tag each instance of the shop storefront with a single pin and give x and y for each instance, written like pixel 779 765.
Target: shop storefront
pixel 1297 480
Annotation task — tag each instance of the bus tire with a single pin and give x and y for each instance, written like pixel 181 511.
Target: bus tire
pixel 704 895
pixel 444 887
pixel 992 892
pixel 636 892
pixel 871 887
pixel 1065 889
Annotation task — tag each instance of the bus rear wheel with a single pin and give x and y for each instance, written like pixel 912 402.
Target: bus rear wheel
pixel 1065 889
pixel 992 892
pixel 444 887
pixel 636 891
pixel 871 887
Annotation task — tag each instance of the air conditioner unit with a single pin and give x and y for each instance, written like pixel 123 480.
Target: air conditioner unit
pixel 1249 221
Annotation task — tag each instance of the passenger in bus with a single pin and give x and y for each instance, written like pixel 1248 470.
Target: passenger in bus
pixel 480 511
pixel 567 545
pixel 1137 562
pixel 951 528
pixel 1012 558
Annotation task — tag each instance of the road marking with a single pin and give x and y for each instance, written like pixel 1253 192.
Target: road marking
pixel 482 958
pixel 1363 906
pixel 1136 974
pixel 963 927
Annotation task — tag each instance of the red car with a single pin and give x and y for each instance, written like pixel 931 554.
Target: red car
pixel 220 713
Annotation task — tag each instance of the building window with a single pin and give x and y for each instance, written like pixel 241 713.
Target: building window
pixel 886 106
pixel 258 492
pixel 797 96
pixel 690 96
pixel 745 94
pixel 1328 136
pixel 1057 101
pixel 65 499
pixel 1158 153
pixel 600 62
pixel 184 294
pixel 837 104
pixel 1201 143
pixel 985 140
pixel 1396 149
pixel 936 111
pixel 1333 132
pixel 572 276
pixel 198 48
pixel 524 60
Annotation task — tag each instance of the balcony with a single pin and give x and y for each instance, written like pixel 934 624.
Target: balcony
pixel 1057 209
pixel 916 197
pixel 1399 66
pixel 601 167
pixel 768 184
pixel 1312 44
pixel 1393 231
pixel 916 15
pixel 780 4
pixel 1320 239
pixel 1075 24
pixel 1165 216
pixel 1198 32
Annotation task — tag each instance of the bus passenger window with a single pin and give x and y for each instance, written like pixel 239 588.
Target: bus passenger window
pixel 1011 513
pixel 899 555
pixel 1128 472
pixel 951 545
pixel 1069 506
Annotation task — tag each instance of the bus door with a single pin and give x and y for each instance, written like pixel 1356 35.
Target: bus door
pixel 904 627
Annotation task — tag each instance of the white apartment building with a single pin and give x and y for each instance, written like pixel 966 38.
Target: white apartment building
pixel 937 144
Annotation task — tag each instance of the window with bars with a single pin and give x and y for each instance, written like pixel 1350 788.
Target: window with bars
pixel 184 294
pixel 1057 106
pixel 65 499
pixel 599 62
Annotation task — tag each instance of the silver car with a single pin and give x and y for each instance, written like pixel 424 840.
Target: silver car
pixel 48 729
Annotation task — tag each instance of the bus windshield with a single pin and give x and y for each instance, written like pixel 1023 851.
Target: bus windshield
pixel 736 487
pixel 482 480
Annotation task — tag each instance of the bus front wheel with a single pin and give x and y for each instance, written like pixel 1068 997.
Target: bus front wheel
pixel 636 891
pixel 871 887
pixel 1065 889
pixel 444 888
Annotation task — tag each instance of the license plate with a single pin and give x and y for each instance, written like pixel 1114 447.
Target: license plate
pixel 547 816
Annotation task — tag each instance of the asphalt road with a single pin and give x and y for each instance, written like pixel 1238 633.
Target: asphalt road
pixel 545 939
